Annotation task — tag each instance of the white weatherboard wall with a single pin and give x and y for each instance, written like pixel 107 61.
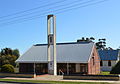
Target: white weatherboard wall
pixel 105 66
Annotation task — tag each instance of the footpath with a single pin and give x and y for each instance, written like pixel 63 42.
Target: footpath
pixel 59 78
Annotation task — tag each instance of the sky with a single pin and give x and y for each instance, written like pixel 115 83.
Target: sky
pixel 23 23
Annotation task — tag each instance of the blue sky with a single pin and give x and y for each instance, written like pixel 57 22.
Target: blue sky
pixel 99 21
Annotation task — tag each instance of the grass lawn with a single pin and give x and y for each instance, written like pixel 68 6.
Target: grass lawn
pixel 50 82
pixel 105 73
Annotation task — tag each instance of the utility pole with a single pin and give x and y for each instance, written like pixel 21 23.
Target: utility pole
pixel 51 37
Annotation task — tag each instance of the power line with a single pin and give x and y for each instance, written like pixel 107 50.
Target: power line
pixel 47 12
pixel 64 10
pixel 30 18
pixel 43 10
pixel 5 16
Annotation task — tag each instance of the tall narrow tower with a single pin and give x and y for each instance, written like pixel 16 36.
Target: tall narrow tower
pixel 51 50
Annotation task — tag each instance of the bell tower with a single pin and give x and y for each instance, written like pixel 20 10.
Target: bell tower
pixel 51 47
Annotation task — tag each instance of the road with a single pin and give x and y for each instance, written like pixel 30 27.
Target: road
pixel 19 83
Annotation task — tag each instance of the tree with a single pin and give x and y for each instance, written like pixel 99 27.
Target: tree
pixel 92 38
pixel 101 44
pixel 9 56
pixel 83 39
pixel 6 51
pixel 8 59
pixel 16 53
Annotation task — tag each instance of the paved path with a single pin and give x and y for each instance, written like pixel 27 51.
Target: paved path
pixel 59 78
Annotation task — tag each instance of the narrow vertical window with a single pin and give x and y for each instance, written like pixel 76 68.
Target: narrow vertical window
pixel 101 63
pixel 109 63
pixel 50 39
pixel 93 60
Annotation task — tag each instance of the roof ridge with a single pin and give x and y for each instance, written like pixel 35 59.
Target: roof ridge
pixel 65 43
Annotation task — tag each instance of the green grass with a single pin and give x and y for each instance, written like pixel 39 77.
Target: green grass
pixel 50 82
pixel 105 73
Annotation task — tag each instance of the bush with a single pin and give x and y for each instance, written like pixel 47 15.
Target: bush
pixel 116 69
pixel 7 68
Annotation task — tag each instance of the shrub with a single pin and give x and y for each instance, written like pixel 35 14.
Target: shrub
pixel 116 69
pixel 7 68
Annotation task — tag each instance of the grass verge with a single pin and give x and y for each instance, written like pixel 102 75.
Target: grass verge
pixel 50 82
pixel 105 73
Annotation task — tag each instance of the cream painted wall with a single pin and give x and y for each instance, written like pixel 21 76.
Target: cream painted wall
pixel 77 67
pixel 105 66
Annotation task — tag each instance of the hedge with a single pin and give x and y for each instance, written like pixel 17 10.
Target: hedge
pixel 116 69
pixel 7 68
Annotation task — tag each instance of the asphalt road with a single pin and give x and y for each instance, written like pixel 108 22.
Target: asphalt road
pixel 20 83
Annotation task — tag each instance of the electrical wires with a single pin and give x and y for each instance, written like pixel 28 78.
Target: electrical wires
pixel 58 7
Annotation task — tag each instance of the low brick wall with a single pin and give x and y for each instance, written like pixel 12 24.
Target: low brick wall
pixel 93 77
pixel 16 75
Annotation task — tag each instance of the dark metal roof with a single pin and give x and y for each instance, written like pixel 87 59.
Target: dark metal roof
pixel 108 54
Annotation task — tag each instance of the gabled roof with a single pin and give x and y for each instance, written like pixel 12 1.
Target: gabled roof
pixel 108 54
pixel 66 53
